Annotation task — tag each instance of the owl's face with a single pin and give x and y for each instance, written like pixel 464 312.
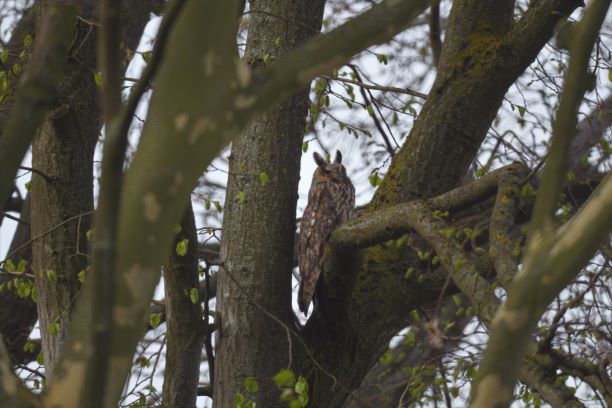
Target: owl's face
pixel 334 171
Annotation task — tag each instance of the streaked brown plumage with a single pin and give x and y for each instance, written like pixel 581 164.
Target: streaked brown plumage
pixel 331 201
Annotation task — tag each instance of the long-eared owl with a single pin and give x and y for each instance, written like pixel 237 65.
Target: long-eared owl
pixel 331 201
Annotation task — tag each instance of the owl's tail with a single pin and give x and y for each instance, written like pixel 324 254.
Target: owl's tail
pixel 304 299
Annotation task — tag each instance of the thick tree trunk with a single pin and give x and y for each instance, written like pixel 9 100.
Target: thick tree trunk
pixel 183 319
pixel 62 187
pixel 259 219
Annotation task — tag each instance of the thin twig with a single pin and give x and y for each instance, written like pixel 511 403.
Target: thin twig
pixel 20 247
pixel 12 217
pixel 405 91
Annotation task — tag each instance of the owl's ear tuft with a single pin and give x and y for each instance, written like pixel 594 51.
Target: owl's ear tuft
pixel 319 159
pixel 338 158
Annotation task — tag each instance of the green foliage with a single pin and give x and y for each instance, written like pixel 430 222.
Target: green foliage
pixel 284 378
pixel 439 214
pixel 386 358
pixel 218 206
pixel 81 276
pixel 263 178
pixel 251 385
pixel 293 391
pixel 27 41
pixel 98 79
pixel 16 69
pixel 24 287
pixel 194 295
pixel 54 328
pixel 240 401
pixel 52 276
pixel 29 347
pixel 240 197
pixel 409 273
pixel 155 320
pixel 182 247
pixel 375 179
pixel 382 58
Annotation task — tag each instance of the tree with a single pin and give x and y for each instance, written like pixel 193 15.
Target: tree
pixel 415 243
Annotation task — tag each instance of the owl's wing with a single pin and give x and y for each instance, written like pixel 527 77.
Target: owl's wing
pixel 318 222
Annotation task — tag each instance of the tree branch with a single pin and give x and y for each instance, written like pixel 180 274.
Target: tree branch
pixel 38 89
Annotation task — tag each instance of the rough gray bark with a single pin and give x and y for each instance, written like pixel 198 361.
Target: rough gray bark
pixel 63 153
pixel 258 230
pixel 183 320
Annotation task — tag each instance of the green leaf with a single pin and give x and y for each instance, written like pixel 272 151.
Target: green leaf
pixel 410 338
pixel 178 228
pixel 9 266
pixel 182 246
pixel 301 386
pixel 374 179
pixel 610 74
pixel 386 358
pixel 457 300
pixel 155 320
pixel 146 56
pixel 263 178
pixel 250 384
pixel 305 146
pixel 521 110
pixel 39 358
pixel 382 58
pixel 16 68
pixel 241 197
pixel 52 276
pixel 314 111
pixel 370 110
pixel 21 267
pixel 194 295
pixel 29 347
pixel 295 403
pixel 54 329
pixel 278 41
pixel 218 206
pixel 284 378
pixel 4 56
pixel 28 186
pixel 81 277
pixel 27 41
pixel 98 79
pixel 89 234
pixel 266 59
